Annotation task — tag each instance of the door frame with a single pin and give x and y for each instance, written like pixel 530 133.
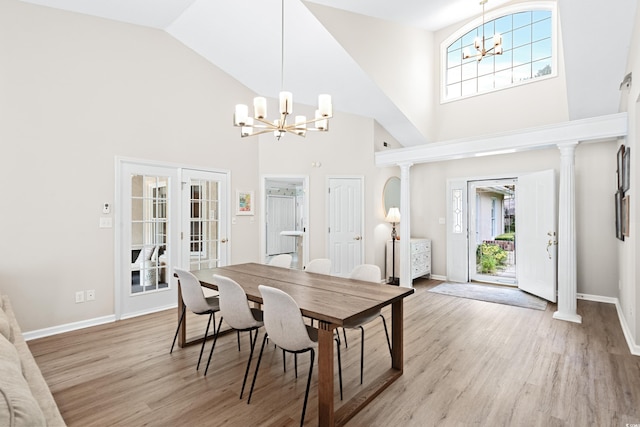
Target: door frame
pixel 471 225
pixel 305 211
pixel 119 267
pixel 451 253
pixel 328 211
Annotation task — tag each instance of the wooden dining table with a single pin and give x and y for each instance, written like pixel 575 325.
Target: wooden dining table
pixel 332 301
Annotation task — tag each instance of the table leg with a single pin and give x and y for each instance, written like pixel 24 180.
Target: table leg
pixel 325 375
pixel 182 333
pixel 397 345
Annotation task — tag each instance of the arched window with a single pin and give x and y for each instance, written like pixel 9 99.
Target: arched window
pixel 528 52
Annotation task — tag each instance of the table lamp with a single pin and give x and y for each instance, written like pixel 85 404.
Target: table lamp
pixel 393 216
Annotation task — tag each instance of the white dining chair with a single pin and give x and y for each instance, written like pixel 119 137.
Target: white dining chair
pixel 284 326
pixel 367 273
pixel 235 310
pixel 319 266
pixel 282 260
pixel 195 300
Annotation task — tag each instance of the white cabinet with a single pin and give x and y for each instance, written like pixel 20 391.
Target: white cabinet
pixel 420 258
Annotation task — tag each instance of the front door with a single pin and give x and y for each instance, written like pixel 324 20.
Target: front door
pixel 345 224
pixel 536 248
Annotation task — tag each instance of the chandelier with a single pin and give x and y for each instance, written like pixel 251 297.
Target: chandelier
pixel 259 124
pixel 479 43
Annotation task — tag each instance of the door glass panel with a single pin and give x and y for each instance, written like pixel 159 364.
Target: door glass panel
pixel 204 224
pixel 149 220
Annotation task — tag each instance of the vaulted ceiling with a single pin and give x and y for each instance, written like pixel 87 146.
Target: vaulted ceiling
pixel 242 37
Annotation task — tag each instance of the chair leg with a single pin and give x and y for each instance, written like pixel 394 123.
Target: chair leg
pixel 238 338
pixel 284 361
pixel 255 374
pixel 361 352
pixel 206 332
pixel 386 332
pixel 184 308
pixel 306 393
pixel 344 333
pixel 215 338
pixel 295 363
pixel 246 372
pixel 339 364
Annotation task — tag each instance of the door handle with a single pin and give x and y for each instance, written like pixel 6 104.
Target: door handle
pixel 357 238
pixel 224 241
pixel 552 241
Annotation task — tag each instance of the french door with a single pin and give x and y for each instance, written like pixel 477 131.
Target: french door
pixel 168 217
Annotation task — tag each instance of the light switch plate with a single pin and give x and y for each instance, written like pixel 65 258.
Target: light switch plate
pixel 106 222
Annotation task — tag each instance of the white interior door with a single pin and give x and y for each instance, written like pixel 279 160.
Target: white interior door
pixel 147 232
pixel 205 206
pixel 345 224
pixel 536 234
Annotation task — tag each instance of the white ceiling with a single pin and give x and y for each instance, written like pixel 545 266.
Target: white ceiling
pixel 242 37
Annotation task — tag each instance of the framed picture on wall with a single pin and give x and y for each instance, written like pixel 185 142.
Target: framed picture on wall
pixel 626 169
pixel 245 203
pixel 618 201
pixel 620 162
pixel 625 216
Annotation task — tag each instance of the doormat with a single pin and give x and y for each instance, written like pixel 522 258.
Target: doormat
pixel 496 294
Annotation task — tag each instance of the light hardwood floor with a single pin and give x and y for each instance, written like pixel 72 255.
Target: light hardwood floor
pixel 467 362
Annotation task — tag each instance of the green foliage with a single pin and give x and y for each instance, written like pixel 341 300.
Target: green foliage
pixel 489 257
pixel 506 236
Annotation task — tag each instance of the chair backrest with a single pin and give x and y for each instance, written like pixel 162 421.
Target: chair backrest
pixel 283 320
pixel 319 265
pixel 366 272
pixel 192 294
pixel 234 305
pixel 282 260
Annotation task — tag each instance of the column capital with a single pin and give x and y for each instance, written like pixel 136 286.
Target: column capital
pixel 567 147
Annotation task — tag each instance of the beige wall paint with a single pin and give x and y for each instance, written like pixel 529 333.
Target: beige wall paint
pixel 398 59
pixel 597 274
pixel 78 91
pixel 629 249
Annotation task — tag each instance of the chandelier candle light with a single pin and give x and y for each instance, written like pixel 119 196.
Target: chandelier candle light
pixel 479 43
pixel 259 124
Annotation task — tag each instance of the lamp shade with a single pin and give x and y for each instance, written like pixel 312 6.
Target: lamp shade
pixel 393 215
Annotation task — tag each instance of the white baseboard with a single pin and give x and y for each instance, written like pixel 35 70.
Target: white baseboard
pixel 68 327
pixel 54 330
pixel 633 347
pixel 438 277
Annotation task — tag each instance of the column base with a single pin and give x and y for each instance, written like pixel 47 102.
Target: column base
pixel 569 317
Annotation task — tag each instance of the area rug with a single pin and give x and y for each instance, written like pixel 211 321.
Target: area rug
pixel 497 294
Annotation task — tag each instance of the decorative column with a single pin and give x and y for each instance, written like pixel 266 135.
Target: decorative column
pixel 567 265
pixel 405 225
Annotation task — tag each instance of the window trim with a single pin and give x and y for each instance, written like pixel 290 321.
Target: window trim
pixel 491 15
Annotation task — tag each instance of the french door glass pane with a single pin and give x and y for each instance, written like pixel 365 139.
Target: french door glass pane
pixel 204 224
pixel 149 220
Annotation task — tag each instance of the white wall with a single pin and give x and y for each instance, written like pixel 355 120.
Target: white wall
pixel 75 92
pixel 597 273
pixel 629 249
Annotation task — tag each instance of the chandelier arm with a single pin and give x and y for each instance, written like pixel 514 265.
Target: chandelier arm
pixel 259 132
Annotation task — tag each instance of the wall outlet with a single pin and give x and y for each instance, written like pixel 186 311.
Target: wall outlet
pixel 91 295
pixel 79 296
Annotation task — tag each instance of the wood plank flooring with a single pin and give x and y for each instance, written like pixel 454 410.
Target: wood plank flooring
pixel 467 362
